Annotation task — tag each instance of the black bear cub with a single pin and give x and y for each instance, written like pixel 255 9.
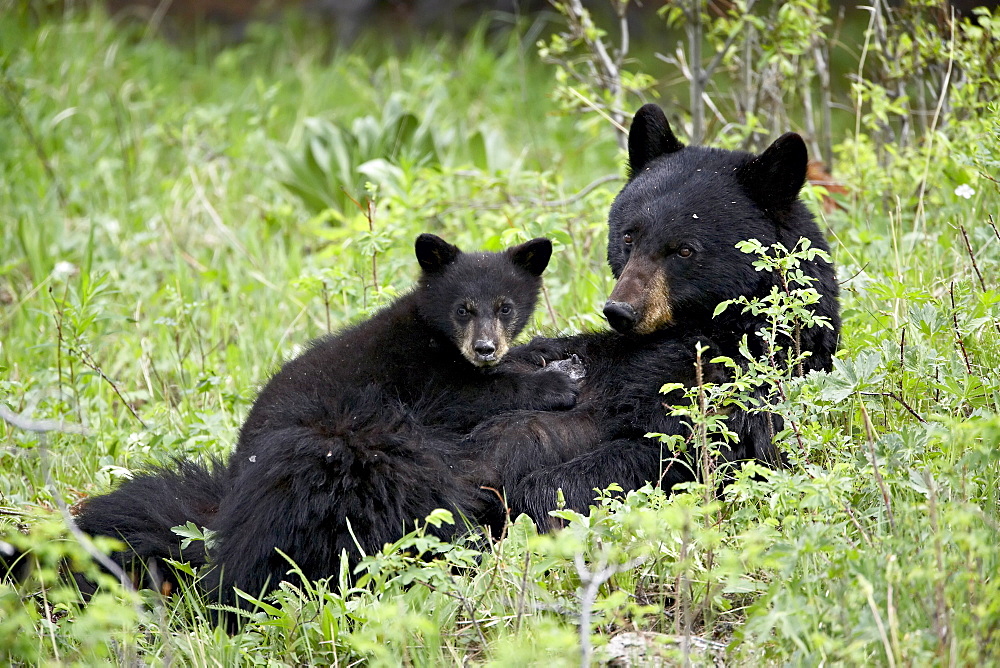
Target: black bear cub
pixel 436 349
pixel 352 441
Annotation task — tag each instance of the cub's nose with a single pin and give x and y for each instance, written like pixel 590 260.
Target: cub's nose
pixel 484 349
pixel 620 315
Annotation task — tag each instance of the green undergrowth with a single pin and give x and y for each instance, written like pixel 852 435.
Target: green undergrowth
pixel 178 220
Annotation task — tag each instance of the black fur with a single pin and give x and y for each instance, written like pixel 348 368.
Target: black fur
pixel 673 229
pixel 602 439
pixel 352 441
pixel 143 510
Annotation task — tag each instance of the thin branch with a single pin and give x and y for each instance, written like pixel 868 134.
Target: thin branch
pixel 41 426
pixel 893 395
pixel 522 590
pixel 707 72
pixel 958 333
pixel 591 583
pixel 572 199
pixel 465 604
pixel 88 360
pixel 920 216
pixel 870 440
pixel 972 256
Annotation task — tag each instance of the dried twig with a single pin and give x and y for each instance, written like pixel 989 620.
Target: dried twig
pixel 590 583
pixel 89 361
pixel 572 199
pixel 893 395
pixel 41 426
pixel 972 256
pixel 958 333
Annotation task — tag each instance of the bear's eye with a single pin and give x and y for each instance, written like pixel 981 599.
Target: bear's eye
pixel 506 309
pixel 685 251
pixel 627 238
pixel 461 312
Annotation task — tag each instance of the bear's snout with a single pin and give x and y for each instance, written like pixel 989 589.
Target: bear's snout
pixel 485 350
pixel 620 315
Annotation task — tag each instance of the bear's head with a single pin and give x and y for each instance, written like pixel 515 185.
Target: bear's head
pixel 674 227
pixel 479 302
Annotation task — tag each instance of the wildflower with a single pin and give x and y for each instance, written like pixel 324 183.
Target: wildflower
pixel 965 190
pixel 65 269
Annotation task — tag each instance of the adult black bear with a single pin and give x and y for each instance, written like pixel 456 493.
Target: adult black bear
pixel 673 231
pixel 355 439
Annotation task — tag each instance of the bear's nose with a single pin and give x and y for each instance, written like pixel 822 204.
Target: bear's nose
pixel 620 315
pixel 484 348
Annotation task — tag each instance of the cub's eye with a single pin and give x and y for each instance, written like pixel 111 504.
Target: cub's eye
pixel 685 251
pixel 506 309
pixel 461 312
pixel 627 238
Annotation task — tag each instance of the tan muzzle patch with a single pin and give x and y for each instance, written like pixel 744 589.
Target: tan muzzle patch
pixel 494 332
pixel 643 286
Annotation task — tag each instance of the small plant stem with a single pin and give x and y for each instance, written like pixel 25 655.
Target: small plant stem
pixel 575 197
pixel 891 609
pixel 522 590
pixel 958 334
pixel 972 256
pixel 698 77
pixel 919 217
pixel 821 55
pixel 59 337
pixel 198 339
pixel 370 215
pixel 857 524
pixel 43 157
pixel 684 593
pixel 893 395
pixel 975 266
pixel 880 626
pixel 590 584
pixel 707 470
pixel 941 622
pixel 465 604
pixel 604 71
pixel 369 212
pixel 326 304
pixel 902 366
pixel 870 441
pixel 89 361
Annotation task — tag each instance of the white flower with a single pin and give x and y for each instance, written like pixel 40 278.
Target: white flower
pixel 965 190
pixel 65 269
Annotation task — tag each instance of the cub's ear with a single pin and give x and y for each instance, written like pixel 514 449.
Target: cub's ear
pixel 532 255
pixel 649 137
pixel 434 253
pixel 774 178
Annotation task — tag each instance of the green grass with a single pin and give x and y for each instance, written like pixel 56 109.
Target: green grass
pixel 154 259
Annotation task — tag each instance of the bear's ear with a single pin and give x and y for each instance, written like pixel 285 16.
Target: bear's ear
pixel 649 137
pixel 434 253
pixel 532 256
pixel 774 178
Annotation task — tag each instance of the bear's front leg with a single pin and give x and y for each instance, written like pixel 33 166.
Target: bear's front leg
pixel 629 463
pixel 541 350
